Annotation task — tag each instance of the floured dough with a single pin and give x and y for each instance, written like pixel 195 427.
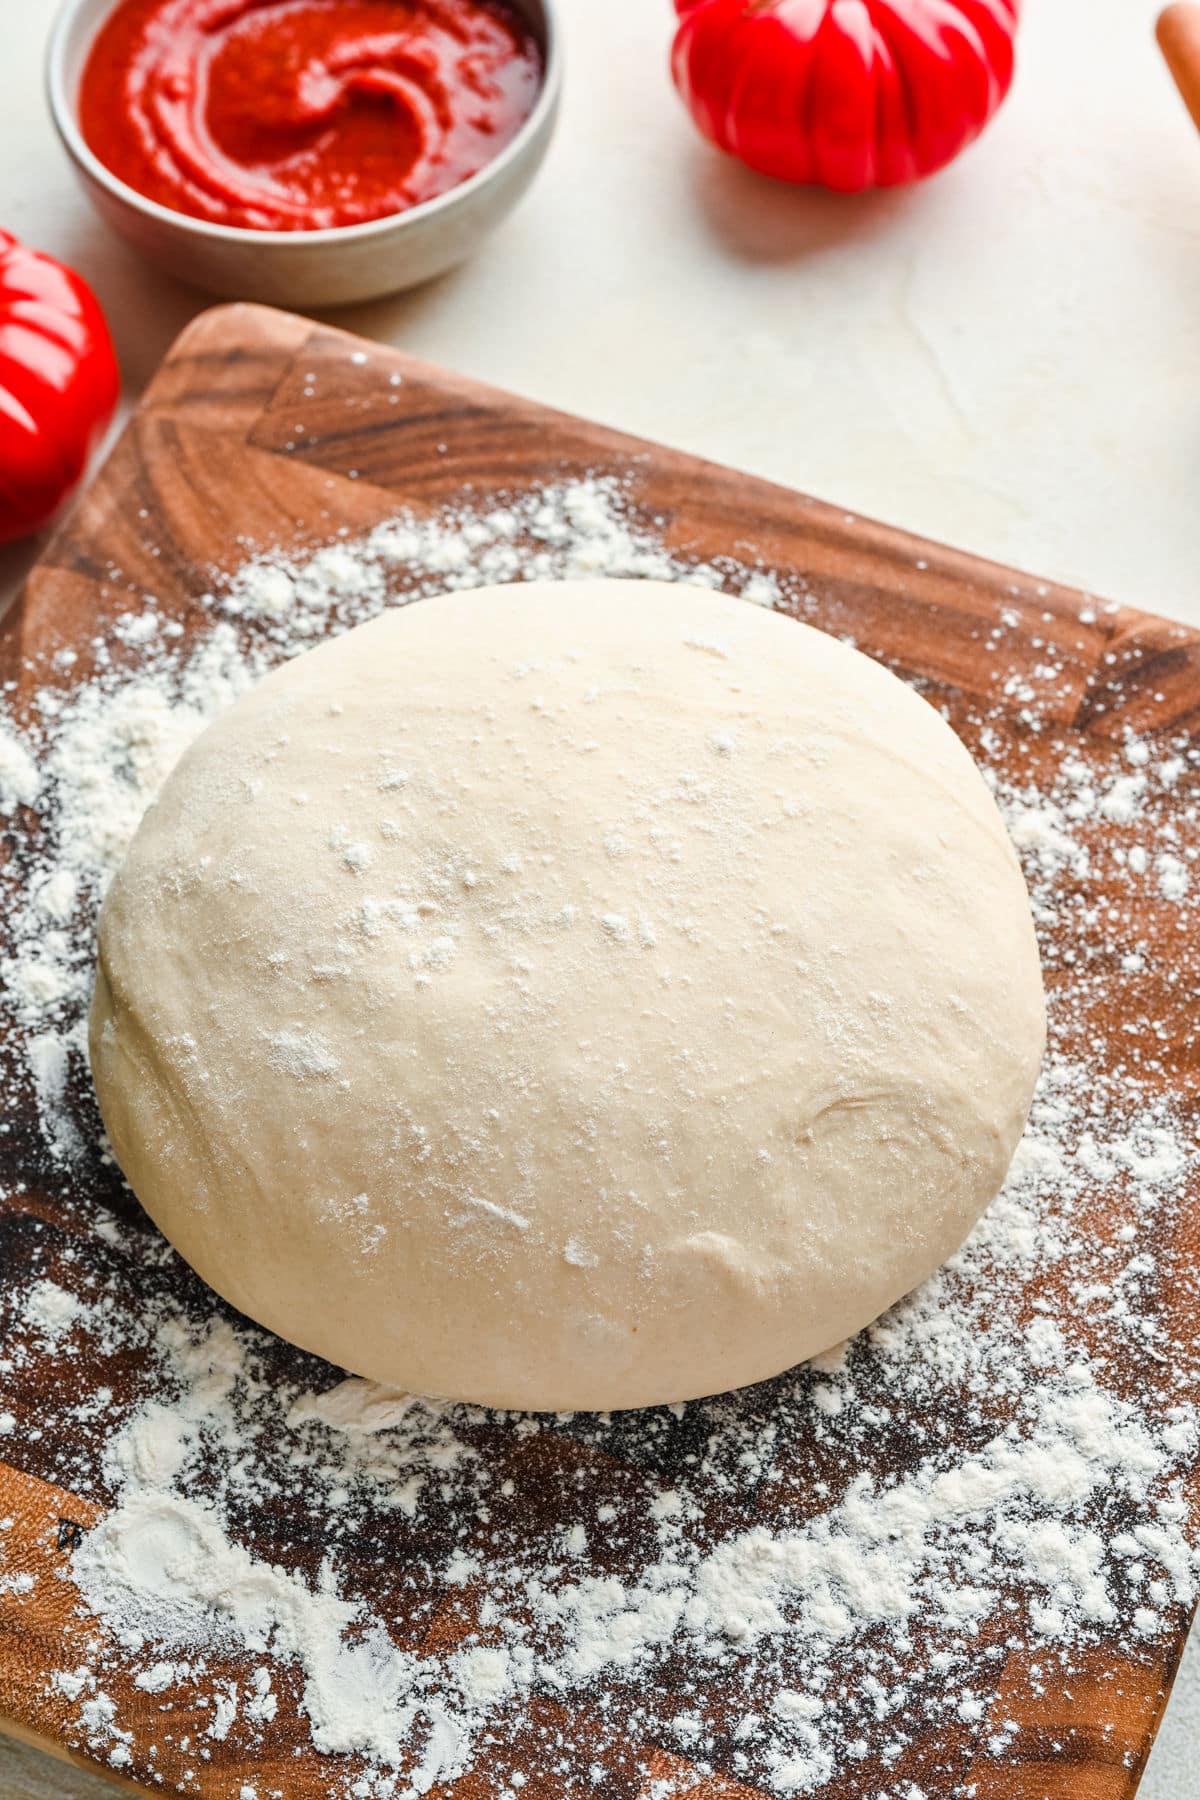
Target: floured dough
pixel 573 996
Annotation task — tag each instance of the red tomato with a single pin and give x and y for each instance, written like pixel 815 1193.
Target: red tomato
pixel 58 384
pixel 850 94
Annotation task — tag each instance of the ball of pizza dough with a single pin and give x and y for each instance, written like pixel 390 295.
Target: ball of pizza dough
pixel 569 996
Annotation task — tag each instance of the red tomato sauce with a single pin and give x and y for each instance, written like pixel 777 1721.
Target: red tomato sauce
pixel 291 115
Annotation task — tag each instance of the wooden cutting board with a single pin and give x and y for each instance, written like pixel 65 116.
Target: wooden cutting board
pixel 236 444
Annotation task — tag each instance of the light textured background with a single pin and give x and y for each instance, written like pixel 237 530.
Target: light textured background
pixel 1007 358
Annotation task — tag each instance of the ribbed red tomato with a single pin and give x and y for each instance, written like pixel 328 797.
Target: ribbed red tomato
pixel 850 94
pixel 58 384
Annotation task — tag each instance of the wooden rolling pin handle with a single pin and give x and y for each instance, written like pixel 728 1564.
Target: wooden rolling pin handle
pixel 1179 40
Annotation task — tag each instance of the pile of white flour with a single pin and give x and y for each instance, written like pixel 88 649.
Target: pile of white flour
pixel 849 1554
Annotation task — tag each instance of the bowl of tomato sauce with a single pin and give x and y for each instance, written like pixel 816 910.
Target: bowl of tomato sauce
pixel 305 152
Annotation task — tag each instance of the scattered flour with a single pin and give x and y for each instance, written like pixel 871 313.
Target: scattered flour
pixel 50 1310
pixel 301 1053
pixel 20 782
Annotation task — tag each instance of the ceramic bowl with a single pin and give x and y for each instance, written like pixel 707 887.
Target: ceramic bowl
pixel 336 267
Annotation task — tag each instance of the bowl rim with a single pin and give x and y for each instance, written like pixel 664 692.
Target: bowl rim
pixel 64 113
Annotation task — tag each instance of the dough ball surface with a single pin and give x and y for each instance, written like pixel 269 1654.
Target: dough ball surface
pixel 569 996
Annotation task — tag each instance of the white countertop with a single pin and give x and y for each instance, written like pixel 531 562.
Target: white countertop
pixel 1007 358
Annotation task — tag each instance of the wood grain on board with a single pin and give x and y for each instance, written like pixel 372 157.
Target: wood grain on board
pixel 262 430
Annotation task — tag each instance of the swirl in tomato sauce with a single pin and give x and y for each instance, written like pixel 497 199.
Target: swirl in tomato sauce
pixel 291 115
